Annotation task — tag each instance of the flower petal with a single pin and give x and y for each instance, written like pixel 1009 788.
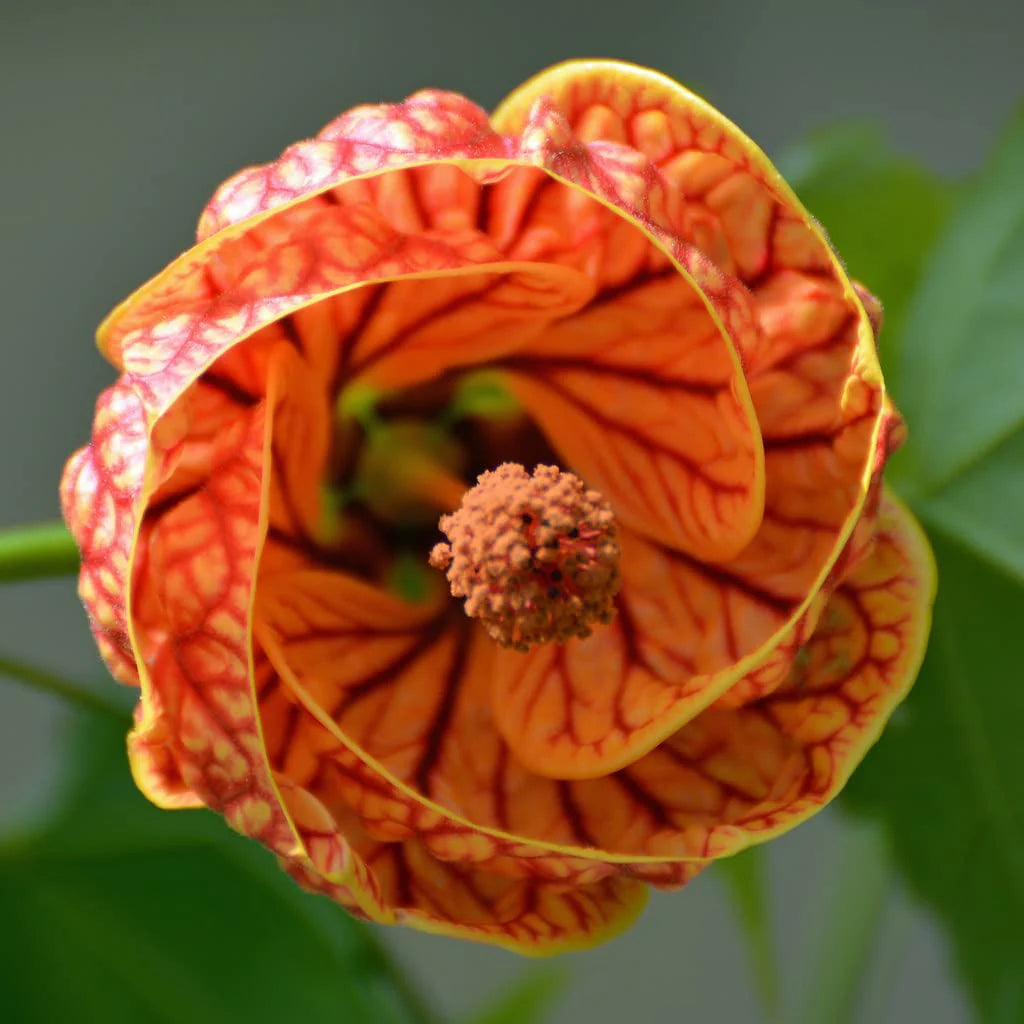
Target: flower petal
pixel 391 677
pixel 188 316
pixel 728 778
pixel 382 709
pixel 520 914
pixel 716 322
pixel 431 126
pixel 737 208
pixel 637 393
pixel 99 491
pixel 732 777
pixel 689 632
pixel 455 300
pixel 197 732
pixel 810 361
pixel 684 632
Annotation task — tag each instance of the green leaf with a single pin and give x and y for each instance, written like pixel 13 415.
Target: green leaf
pixel 882 211
pixel 120 912
pixel 526 1002
pixel 948 778
pixel 984 505
pixel 746 879
pixel 964 351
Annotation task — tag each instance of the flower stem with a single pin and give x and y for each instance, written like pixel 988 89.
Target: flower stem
pixel 848 929
pixel 36 552
pixel 746 879
pixel 419 1009
pixel 72 693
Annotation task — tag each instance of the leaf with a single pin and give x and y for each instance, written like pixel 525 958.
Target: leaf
pixel 135 914
pixel 882 211
pixel 526 1002
pixel 964 351
pixel 984 506
pixel 746 879
pixel 948 778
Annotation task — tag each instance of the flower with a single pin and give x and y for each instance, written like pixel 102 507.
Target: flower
pixel 606 280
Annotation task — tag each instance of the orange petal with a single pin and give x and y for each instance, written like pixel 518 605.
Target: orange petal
pixel 366 727
pixel 420 330
pixel 738 209
pixel 858 666
pixel 382 708
pixel 524 915
pixel 99 491
pixel 169 330
pixel 728 778
pixel 431 126
pixel 684 632
pixel 713 324
pixel 637 393
pixel 689 632
pixel 810 361
pixel 731 777
pixel 197 737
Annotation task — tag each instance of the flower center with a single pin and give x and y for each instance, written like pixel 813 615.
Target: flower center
pixel 536 556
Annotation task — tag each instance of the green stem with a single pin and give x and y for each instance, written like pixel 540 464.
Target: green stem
pixel 746 878
pixel 36 552
pixel 73 693
pixel 848 929
pixel 386 965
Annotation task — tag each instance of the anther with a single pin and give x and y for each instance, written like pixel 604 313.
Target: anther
pixel 514 537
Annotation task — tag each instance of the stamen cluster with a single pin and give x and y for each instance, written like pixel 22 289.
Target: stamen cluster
pixel 535 556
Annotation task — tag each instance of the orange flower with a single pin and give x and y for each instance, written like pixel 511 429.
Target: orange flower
pixel 300 398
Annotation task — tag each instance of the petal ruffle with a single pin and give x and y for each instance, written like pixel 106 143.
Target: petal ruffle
pixel 430 127
pixel 99 496
pixel 736 207
pixel 197 737
pixel 522 914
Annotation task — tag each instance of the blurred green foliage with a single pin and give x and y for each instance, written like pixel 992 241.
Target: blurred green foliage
pixel 746 880
pixel 527 1002
pixel 947 778
pixel 122 913
pixel 964 345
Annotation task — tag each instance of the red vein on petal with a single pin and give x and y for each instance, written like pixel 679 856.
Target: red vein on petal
pixel 399 338
pixel 444 710
pixel 637 437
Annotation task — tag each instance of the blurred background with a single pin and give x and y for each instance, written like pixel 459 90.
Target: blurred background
pixel 118 120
